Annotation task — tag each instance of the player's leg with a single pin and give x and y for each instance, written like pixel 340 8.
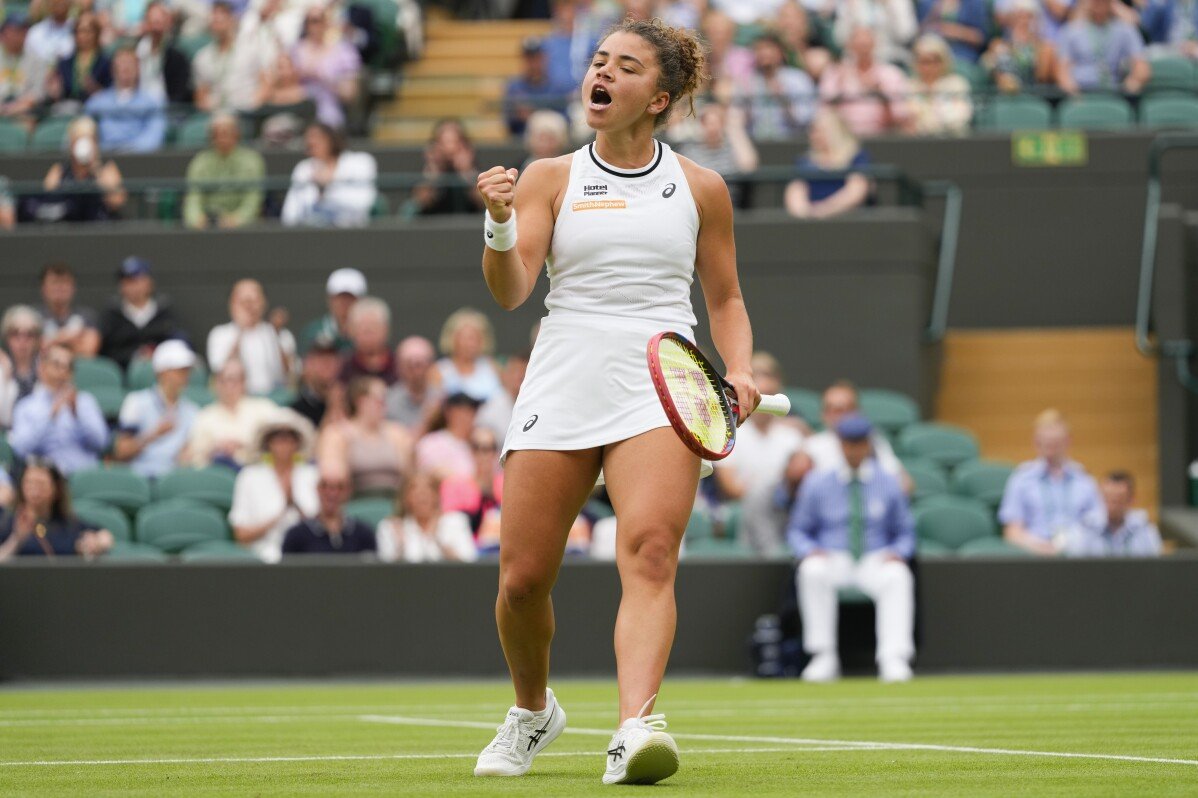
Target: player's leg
pixel 819 577
pixel 892 587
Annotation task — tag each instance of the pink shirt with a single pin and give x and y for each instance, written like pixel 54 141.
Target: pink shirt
pixel 865 110
pixel 443 454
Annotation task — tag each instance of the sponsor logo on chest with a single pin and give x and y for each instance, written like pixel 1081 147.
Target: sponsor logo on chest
pixel 594 190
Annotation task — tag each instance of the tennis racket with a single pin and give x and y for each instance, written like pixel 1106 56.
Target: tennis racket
pixel 700 404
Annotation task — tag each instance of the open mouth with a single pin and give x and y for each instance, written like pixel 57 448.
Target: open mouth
pixel 599 97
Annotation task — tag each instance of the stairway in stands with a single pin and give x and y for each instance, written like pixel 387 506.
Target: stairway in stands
pixel 995 382
pixel 462 74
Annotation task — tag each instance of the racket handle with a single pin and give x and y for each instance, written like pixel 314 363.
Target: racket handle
pixel 775 404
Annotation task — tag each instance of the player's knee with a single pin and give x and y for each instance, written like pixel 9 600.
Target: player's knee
pixel 653 555
pixel 520 588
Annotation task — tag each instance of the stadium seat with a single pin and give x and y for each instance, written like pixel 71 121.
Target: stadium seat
pixel 984 480
pixel 50 135
pixel 928 476
pixel 932 548
pixel 7 458
pixel 13 137
pixel 716 549
pixel 370 510
pixel 805 404
pixel 992 547
pixel 175 527
pixel 190 45
pixel 977 75
pixel 851 595
pixel 192 133
pixel 200 394
pixel 218 551
pixel 1096 112
pixel 110 399
pixel 700 526
pixel 117 486
pixel 125 551
pixel 942 443
pixel 1169 112
pixel 283 397
pixel 1020 112
pixel 1170 75
pixel 212 485
pixel 93 372
pixel 141 375
pixel 104 516
pixel 953 521
pixel 890 410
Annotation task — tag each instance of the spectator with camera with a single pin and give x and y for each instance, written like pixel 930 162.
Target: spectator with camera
pixel 265 347
pixel 82 188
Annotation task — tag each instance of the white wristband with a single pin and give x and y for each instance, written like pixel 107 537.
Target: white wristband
pixel 500 237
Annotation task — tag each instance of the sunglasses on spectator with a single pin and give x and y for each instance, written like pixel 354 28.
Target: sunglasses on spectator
pixel 23 333
pixel 59 362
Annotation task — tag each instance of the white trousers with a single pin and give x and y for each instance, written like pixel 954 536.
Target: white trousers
pixel 888 582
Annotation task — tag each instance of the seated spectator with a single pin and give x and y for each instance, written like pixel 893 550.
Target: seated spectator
pixel 823 452
pixel 496 413
pixel 226 431
pixel 546 135
pixel 85 71
pixel 575 35
pixel 63 321
pixel 155 423
pixel 280 490
pixel 374 452
pixel 833 149
pixel 7 493
pixel 416 394
pixel 1047 498
pixel 478 497
pixel 724 146
pixel 1097 50
pixel 938 98
pixel 330 530
pixel 1021 57
pixel 265 348
pixel 42 524
pixel 755 470
pixel 892 21
pixel 165 70
pixel 532 89
pixel 370 332
pixel 22 74
pixel 1048 16
pixel 284 104
pixel 332 187
pixel 228 71
pixel 1171 27
pixel 467 341
pixel 319 396
pixel 130 119
pixel 804 43
pixel 851 527
pixel 84 187
pixel 868 93
pixel 57 421
pixel 328 68
pixel 1117 531
pixel 420 532
pixel 343 288
pixel 728 62
pixel 963 24
pixel 8 393
pixel 8 207
pixel 224 206
pixel 450 173
pixel 779 100
pixel 22 330
pixel 445 451
pixel 138 320
pixel 53 38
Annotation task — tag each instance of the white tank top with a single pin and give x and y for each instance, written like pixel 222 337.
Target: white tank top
pixel 624 241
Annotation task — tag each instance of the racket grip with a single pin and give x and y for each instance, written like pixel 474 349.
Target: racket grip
pixel 775 404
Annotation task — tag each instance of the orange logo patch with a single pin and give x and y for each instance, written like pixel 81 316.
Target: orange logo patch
pixel 599 205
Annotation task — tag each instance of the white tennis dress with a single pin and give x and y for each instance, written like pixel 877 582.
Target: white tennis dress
pixel 621 265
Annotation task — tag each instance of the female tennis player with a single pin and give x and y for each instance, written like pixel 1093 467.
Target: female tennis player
pixel 624 223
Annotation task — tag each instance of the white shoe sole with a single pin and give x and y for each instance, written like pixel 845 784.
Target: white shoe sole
pixel 657 759
pixel 552 733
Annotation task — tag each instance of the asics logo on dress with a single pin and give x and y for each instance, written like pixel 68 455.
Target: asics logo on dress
pixel 531 420
pixel 668 191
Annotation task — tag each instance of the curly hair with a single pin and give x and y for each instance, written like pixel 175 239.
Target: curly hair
pixel 682 63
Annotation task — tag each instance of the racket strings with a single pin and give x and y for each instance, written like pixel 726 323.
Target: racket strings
pixel 695 397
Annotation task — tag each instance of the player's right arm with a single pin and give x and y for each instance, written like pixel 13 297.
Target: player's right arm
pixel 511 274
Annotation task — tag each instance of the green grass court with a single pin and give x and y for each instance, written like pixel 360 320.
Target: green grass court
pixel 1031 735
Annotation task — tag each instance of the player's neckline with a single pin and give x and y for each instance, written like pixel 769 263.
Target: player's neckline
pixel 639 171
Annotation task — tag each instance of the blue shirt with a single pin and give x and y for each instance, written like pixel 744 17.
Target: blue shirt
pixel 819 189
pixel 140 414
pixel 72 441
pixel 521 91
pixel 820 518
pixel 1136 536
pixel 1169 22
pixel 1100 57
pixel 130 121
pixel 1048 506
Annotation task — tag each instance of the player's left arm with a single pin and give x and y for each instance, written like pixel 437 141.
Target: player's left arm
pixel 715 262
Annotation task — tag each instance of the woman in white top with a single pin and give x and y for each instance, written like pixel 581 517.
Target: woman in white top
pixel 273 495
pixel 420 532
pixel 467 341
pixel 265 348
pixel 227 430
pixel 331 187
pixel 938 99
pixel 624 224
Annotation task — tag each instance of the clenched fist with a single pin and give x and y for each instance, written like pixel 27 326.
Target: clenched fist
pixel 498 188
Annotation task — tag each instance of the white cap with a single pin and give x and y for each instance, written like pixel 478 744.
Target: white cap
pixel 346 281
pixel 172 354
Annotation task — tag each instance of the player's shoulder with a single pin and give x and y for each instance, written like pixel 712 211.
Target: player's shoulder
pixel 544 169
pixel 701 179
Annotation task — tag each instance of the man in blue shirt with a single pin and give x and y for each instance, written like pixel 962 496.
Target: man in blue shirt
pixel 130 119
pixel 1118 531
pixel 1046 499
pixel 851 527
pixel 533 88
pixel 56 421
pixel 155 423
pixel 1099 51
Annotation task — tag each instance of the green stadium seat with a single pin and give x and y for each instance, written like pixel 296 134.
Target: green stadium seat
pixel 1018 112
pixel 371 510
pixel 953 521
pixel 1169 112
pixel 125 551
pixel 805 404
pixel 50 135
pixel 731 515
pixel 945 444
pixel 218 551
pixel 7 458
pixel 212 485
pixel 110 399
pixel 104 516
pixel 190 45
pixel 1096 112
pixel 283 397
pixel 984 480
pixel 200 394
pixel 977 75
pixel 890 410
pixel 175 527
pixel 199 376
pixel 700 526
pixel 140 375
pixel 992 547
pixel 851 595
pixel 93 372
pixel 117 486
pixel 13 137
pixel 192 133
pixel 716 549
pixel 1170 75
pixel 931 548
pixel 928 476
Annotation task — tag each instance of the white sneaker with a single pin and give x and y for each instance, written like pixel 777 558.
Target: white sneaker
pixel 641 752
pixel 523 735
pixel 823 667
pixel 894 669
